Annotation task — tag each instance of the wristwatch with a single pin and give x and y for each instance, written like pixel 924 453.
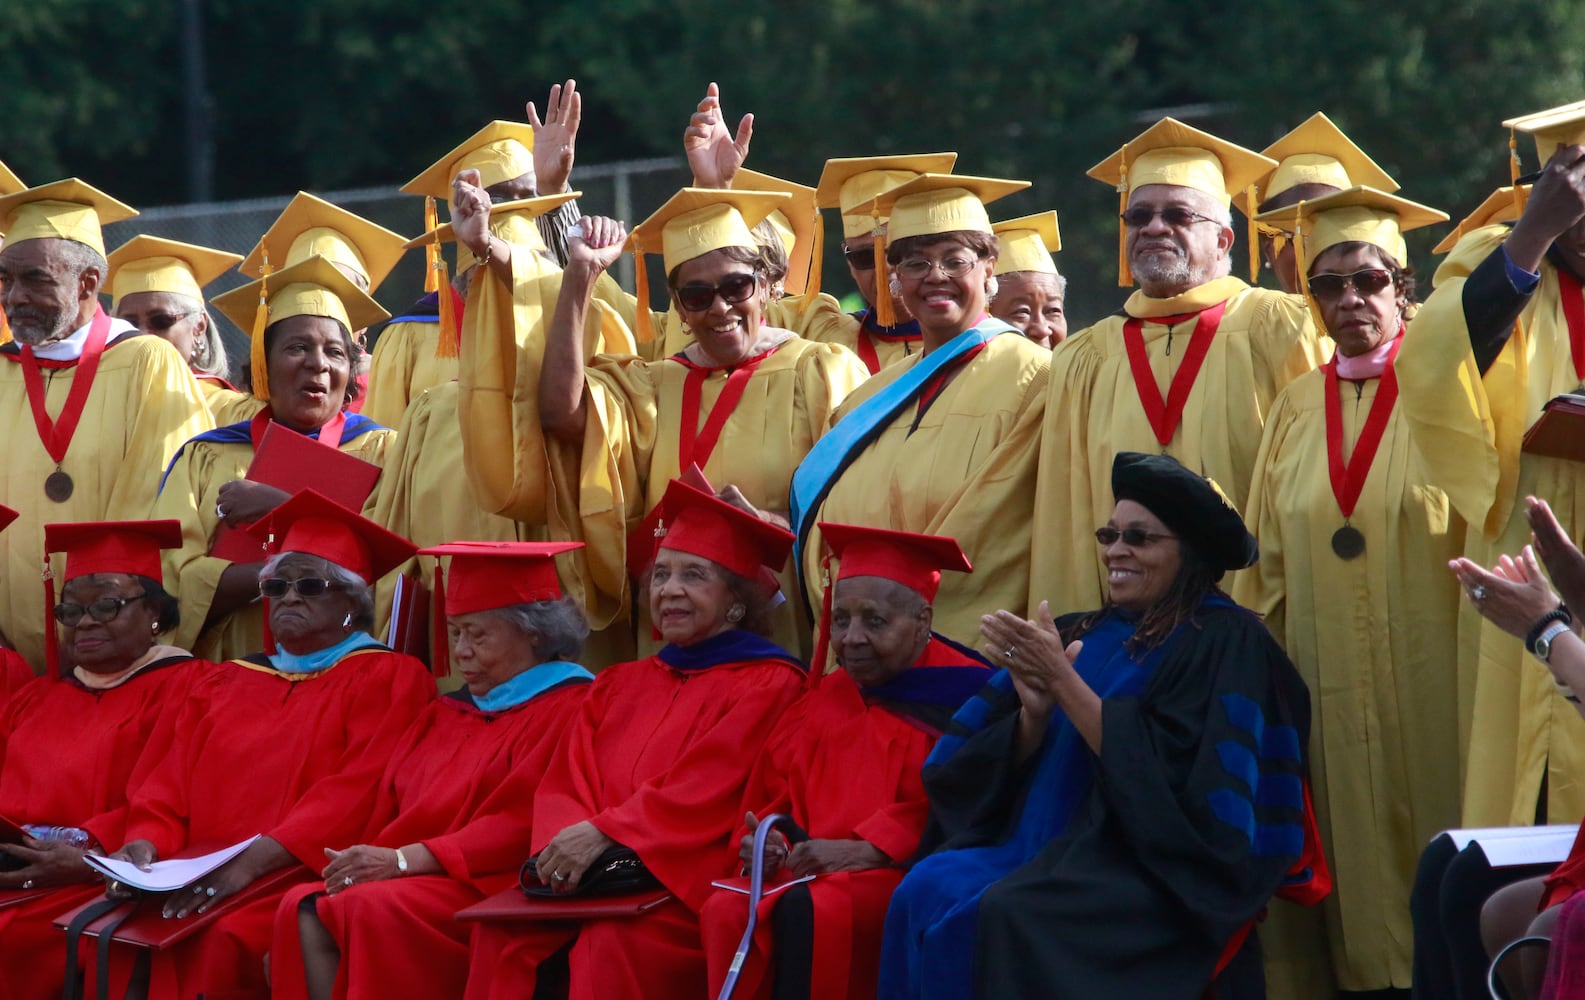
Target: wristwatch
pixel 401 861
pixel 1543 644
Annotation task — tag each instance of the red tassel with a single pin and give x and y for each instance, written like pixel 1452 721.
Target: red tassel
pixel 52 653
pixel 439 647
pixel 817 666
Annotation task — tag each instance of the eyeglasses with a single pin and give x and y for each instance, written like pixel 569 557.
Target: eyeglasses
pixel 734 288
pixel 860 260
pixel 1366 282
pixel 160 322
pixel 1134 538
pixel 102 611
pixel 918 268
pixel 275 587
pixel 1175 216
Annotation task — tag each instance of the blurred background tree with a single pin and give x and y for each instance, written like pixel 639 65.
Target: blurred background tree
pixel 167 102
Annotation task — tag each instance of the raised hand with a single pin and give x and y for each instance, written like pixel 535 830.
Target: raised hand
pixel 1555 205
pixel 599 246
pixel 470 212
pixel 556 136
pixel 714 154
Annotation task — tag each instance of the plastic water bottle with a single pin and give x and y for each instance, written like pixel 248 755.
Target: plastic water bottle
pixel 75 836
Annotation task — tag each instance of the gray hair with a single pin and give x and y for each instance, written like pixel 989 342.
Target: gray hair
pixel 560 626
pixel 209 354
pixel 81 258
pixel 353 585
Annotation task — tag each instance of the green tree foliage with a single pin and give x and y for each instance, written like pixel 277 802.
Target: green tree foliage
pixel 338 93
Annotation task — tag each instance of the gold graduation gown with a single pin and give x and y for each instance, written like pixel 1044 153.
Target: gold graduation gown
pixel 402 367
pixel 1375 640
pixel 144 403
pixel 966 471
pixel 631 445
pixel 1470 429
pixel 228 405
pixel 1265 340
pixel 191 491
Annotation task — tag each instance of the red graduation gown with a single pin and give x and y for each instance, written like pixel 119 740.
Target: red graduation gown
pixel 657 760
pixel 843 770
pixel 462 784
pixel 14 673
pixel 256 751
pixel 67 756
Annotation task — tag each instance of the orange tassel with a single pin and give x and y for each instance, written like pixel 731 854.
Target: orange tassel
pixel 261 320
pixel 439 645
pixel 1125 274
pixel 449 343
pixel 432 262
pixel 885 315
pixel 52 654
pixel 816 260
pixel 646 328
pixel 1254 237
pixel 1513 158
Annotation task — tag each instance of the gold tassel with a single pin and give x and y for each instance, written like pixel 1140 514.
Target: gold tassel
pixel 816 260
pixel 432 262
pixel 1125 274
pixel 1303 268
pixel 1513 158
pixel 885 315
pixel 646 328
pixel 261 319
pixel 449 343
pixel 1254 240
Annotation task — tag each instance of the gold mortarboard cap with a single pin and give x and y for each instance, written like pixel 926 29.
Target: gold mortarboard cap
pixel 1553 128
pixel 312 287
pixel 848 182
pixel 501 151
pixel 10 183
pixel 523 208
pixel 1317 152
pixel 1357 215
pixel 152 264
pixel 696 221
pixel 310 226
pixel 797 222
pixel 940 203
pixel 1500 206
pixel 1170 152
pixel 63 210
pixel 1028 243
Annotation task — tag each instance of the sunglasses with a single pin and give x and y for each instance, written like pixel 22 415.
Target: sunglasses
pixel 1175 216
pixel 275 588
pixel 160 322
pixel 1366 282
pixel 1134 538
pixel 102 611
pixel 860 260
pixel 733 289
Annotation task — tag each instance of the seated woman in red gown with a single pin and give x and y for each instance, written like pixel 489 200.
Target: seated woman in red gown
pixel 457 800
pixel 70 744
pixel 656 761
pixel 843 764
pixel 290 745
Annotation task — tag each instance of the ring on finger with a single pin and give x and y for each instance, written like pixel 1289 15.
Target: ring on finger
pixel 347 880
pixel 1010 651
pixel 1477 592
pixel 210 891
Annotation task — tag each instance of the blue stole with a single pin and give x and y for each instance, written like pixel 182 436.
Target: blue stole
pixel 530 684
pixel 731 646
pixel 841 445
pixel 430 300
pixel 241 432
pixel 320 659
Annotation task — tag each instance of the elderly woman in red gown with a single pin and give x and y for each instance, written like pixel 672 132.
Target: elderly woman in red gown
pixel 656 761
pixel 457 800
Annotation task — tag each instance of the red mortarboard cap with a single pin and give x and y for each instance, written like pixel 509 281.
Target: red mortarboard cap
pixel 488 575
pixel 312 523
pixel 915 561
pixel 7 515
pixel 131 547
pixel 691 520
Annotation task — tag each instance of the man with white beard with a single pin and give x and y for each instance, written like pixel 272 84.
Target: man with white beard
pixel 93 410
pixel 1188 367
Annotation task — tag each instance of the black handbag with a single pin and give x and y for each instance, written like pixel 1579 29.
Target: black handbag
pixel 617 871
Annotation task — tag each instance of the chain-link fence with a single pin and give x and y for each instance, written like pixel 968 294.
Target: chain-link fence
pixel 629 190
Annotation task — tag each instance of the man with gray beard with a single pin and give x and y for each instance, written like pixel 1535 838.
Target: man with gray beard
pixel 93 410
pixel 1188 367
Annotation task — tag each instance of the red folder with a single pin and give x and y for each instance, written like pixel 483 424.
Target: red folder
pixel 16 897
pixel 293 462
pixel 148 928
pixel 1560 432
pixel 510 905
